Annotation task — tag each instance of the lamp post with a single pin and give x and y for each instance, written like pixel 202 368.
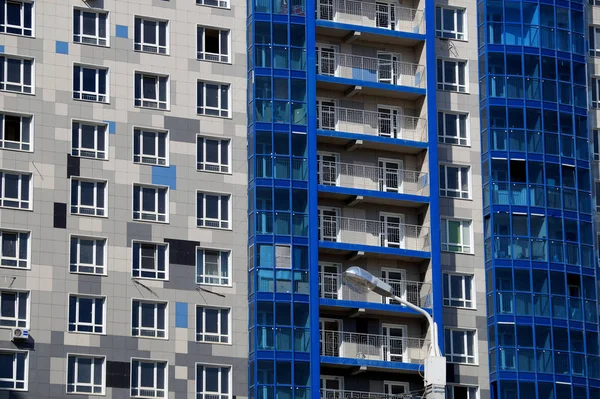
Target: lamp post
pixel 435 364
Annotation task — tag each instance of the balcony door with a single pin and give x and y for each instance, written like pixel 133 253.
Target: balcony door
pixel 386 15
pixel 326 114
pixel 393 388
pixel 394 343
pixel 327 172
pixel 389 123
pixel 330 281
pixel 397 279
pixel 332 387
pixel 391 175
pixel 331 337
pixel 392 230
pixel 388 68
pixel 326 62
pixel 329 224
pixel 325 10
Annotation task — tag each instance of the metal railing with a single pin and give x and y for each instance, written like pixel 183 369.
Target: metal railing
pixel 332 286
pixel 373 347
pixel 372 123
pixel 374 232
pixel 376 15
pixel 368 69
pixel 340 394
pixel 373 178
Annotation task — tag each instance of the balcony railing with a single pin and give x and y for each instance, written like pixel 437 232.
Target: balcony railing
pixel 373 178
pixel 339 394
pixel 331 286
pixel 375 15
pixel 378 70
pixel 383 124
pixel 387 348
pixel 372 232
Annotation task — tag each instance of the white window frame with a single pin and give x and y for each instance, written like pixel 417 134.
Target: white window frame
pixel 211 337
pixel 92 153
pixel 18 385
pixel 218 111
pixel 147 47
pixel 453 33
pixel 463 248
pixel 595 92
pixel 77 324
pixel 201 391
pixel 21 203
pixel 214 223
pixel 150 159
pixel 20 87
pixel 203 278
pixel 76 209
pixel 460 193
pixel 4 26
pixel 17 321
pixel 19 263
pixel 214 3
pixel 594 41
pixel 152 103
pixel 219 167
pixel 96 39
pixel 154 332
pixel 95 96
pixel 458 140
pixel 158 274
pixel 456 87
pixel 450 394
pixel 76 266
pixel 150 216
pixel 224 57
pixel 10 145
pixel 450 355
pixel 75 386
pixel 452 298
pixel 149 392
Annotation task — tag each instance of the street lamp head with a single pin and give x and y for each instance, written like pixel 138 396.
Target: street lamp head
pixel 362 281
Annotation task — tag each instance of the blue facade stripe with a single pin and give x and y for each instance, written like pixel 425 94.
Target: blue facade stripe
pixel 165 176
pixel 122 31
pixel 112 127
pixel 62 47
pixel 181 315
pixel 1 48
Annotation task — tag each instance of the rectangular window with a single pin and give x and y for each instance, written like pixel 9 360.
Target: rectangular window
pixel 457 236
pixel 151 203
pixel 150 147
pixel 452 75
pixel 88 197
pixel 87 314
pixel 461 392
pixel 595 88
pixel 213 3
pixel 213 210
pixel 89 140
pixel 149 319
pixel 212 324
pixel 151 35
pixel 14 249
pixel 90 27
pixel 213 155
pixel 453 128
pixel 14 309
pixel 14 368
pixel 149 378
pixel 150 260
pixel 213 267
pixel 16 190
pixel 213 44
pixel 86 374
pixel 213 99
pixel 17 74
pixel 596 144
pixel 459 290
pixel 455 181
pixel 17 17
pixel 16 132
pixel 88 255
pixel 151 91
pixel 450 23
pixel 461 346
pixel 90 83
pixel 594 41
pixel 213 381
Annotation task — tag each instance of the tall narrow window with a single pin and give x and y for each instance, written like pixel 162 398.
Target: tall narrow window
pixel 213 210
pixel 450 23
pixel 88 255
pixel 212 324
pixel 15 370
pixel 151 35
pixel 150 260
pixel 594 41
pixel 150 147
pixel 17 17
pixel 14 249
pixel 150 203
pixel 86 374
pixel 16 132
pixel 14 309
pixel 149 319
pixel 213 267
pixel 89 140
pixel 90 27
pixel 90 83
pixel 595 89
pixel 213 44
pixel 461 346
pixel 213 99
pixel 452 75
pixel 459 290
pixel 16 190
pixel 213 154
pixel 149 378
pixel 151 91
pixel 17 74
pixel 87 314
pixel 457 236
pixel 88 197
pixel 452 128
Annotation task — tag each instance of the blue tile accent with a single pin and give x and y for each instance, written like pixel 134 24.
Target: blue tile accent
pixel 112 127
pixel 165 176
pixel 181 315
pixel 1 49
pixel 121 31
pixel 62 47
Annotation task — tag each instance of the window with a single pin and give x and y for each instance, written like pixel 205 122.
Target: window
pixel 452 75
pixel 461 392
pixel 17 74
pixel 452 128
pixel 213 99
pixel 460 346
pixel 149 319
pixel 150 147
pixel 151 36
pixel 88 255
pixel 150 261
pixel 450 23
pixel 14 308
pixel 17 17
pixel 88 197
pixel 14 369
pixel 213 267
pixel 212 324
pixel 150 203
pixel 213 382
pixel 87 314
pixel 594 41
pixel 212 210
pixel 213 155
pixel 283 256
pixel 16 190
pixel 90 27
pixel 89 140
pixel 148 378
pixel 151 91
pixel 595 88
pixel 213 3
pixel 455 181
pixel 459 290
pixel 457 236
pixel 14 249
pixel 86 374
pixel 90 83
pixel 213 44
pixel 16 132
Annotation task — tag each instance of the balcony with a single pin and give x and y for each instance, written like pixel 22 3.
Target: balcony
pixel 539 305
pixel 341 394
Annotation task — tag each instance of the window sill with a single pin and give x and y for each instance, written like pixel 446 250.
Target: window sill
pixel 154 338
pixel 213 172
pixel 167 54
pixel 15 268
pixel 90 274
pixel 86 393
pixel 16 209
pixel 465 40
pixel 168 109
pixel 214 228
pixel 16 150
pixel 216 343
pixel 215 62
pixel 459 307
pixel 149 221
pixel 457 198
pixel 168 164
pixel 149 278
pixel 92 45
pixel 454 145
pixel 92 101
pixel 476 364
pixel 458 253
pixel 85 333
pixel 17 35
pixel 455 91
pixel 214 285
pixel 92 158
pixel 18 92
pixel 91 216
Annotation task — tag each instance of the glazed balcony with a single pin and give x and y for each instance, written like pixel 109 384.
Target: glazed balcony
pixel 341 394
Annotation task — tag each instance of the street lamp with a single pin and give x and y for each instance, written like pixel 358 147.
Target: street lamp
pixel 435 364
